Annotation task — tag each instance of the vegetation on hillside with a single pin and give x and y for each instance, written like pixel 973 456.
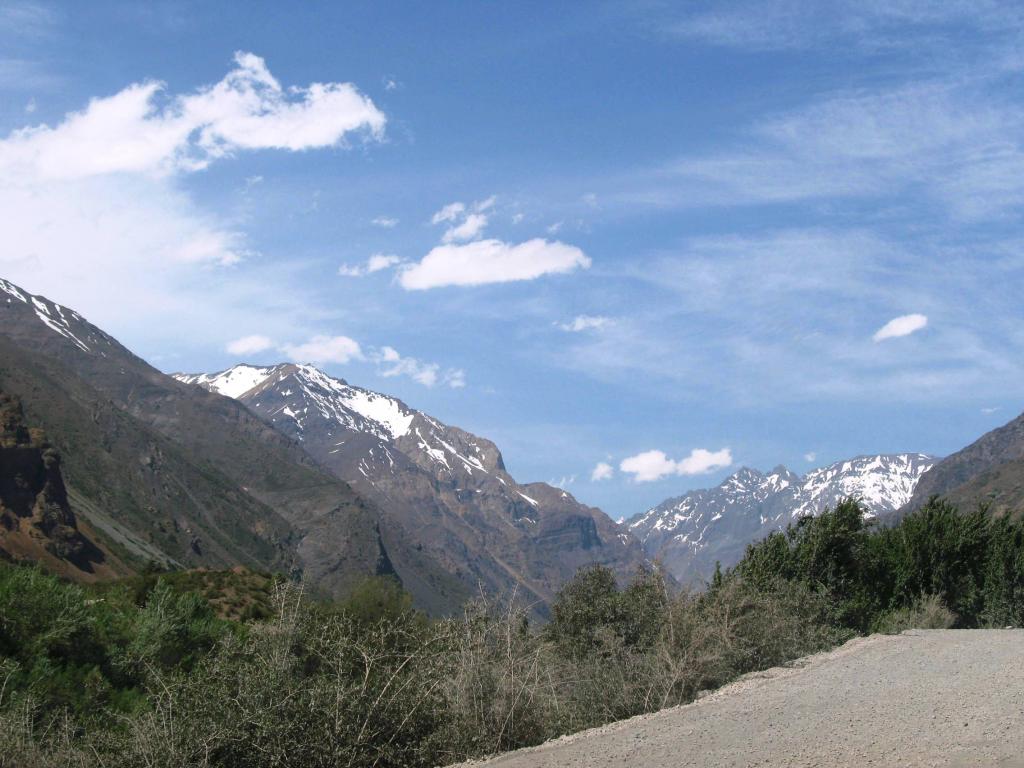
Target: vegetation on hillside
pixel 148 673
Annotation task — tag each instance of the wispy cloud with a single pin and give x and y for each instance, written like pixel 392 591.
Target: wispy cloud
pixel 385 222
pixel 788 315
pixel 602 471
pixel 378 262
pixel 584 323
pixel 869 25
pixel 390 363
pixel 467 222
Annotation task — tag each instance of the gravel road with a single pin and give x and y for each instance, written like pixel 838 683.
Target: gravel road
pixel 923 698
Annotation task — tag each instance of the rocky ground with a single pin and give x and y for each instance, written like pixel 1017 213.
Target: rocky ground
pixel 923 698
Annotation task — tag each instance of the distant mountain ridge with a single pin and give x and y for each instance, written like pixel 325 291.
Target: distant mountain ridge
pixel 443 487
pixel 689 533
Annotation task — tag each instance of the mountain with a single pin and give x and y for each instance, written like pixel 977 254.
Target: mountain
pixel 437 485
pixel 163 471
pixel 690 533
pixel 990 471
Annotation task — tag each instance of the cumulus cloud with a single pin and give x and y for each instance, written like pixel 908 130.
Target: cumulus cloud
pixel 249 345
pixel 584 323
pixel 904 325
pixel 324 349
pixel 391 363
pixel 491 261
pixel 602 471
pixel 654 465
pixel 376 263
pixel 140 130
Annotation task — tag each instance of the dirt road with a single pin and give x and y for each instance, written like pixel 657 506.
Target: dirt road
pixel 924 698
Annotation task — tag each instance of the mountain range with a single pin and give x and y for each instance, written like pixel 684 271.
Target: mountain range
pixel 690 533
pixel 109 464
pixel 312 477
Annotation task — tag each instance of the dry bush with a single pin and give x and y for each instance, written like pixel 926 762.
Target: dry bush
pixel 927 612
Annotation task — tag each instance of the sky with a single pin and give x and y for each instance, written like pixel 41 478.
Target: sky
pixel 636 244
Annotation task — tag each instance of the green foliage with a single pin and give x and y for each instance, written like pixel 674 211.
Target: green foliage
pixel 972 563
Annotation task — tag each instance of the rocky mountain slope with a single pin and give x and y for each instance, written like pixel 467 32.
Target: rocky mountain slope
pixel 989 471
pixel 165 471
pixel 36 521
pixel 438 485
pixel 690 533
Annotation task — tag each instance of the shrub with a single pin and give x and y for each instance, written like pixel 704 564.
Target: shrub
pixel 928 612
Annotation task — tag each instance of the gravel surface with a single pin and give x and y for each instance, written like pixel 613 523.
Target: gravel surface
pixel 923 698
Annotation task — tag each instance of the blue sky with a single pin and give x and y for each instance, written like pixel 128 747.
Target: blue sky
pixel 640 242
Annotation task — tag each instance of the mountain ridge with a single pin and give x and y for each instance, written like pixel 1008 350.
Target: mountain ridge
pixel 443 485
pixel 691 532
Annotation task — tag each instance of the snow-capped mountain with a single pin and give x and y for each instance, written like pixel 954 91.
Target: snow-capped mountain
pixel 443 487
pixel 690 533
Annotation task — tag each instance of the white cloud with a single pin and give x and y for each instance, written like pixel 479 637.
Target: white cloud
pixel 563 482
pixel 30 106
pixel 449 212
pixel 554 229
pixel 810 456
pixel 385 222
pixel 584 323
pixel 93 215
pixel 990 410
pixel 472 226
pixel 324 349
pixel 491 261
pixel 904 325
pixel 654 465
pixel 134 131
pixel 391 363
pixel 249 345
pixel 376 263
pixel 602 471
pixel 467 222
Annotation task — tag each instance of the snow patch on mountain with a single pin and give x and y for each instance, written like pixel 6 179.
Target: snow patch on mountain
pixel 234 382
pixel 51 314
